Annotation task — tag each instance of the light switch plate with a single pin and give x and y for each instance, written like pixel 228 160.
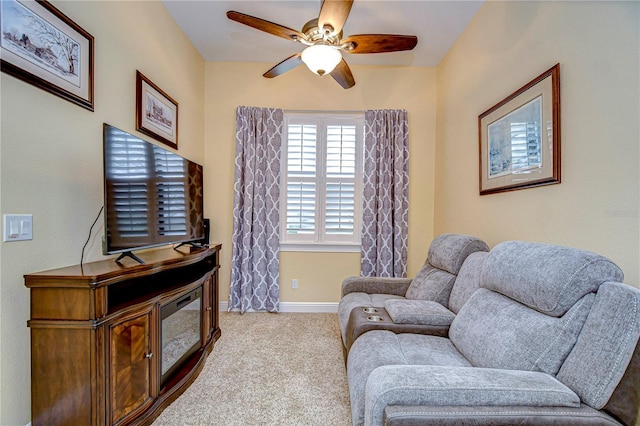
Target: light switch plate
pixel 17 227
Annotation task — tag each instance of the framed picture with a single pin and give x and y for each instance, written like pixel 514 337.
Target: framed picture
pixel 156 112
pixel 43 47
pixel 520 137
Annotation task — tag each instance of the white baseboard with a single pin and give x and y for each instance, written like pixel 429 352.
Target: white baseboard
pixel 308 307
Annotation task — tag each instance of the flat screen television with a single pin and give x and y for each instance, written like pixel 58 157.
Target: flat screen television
pixel 152 196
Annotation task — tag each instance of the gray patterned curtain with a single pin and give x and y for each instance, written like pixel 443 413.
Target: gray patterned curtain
pixel 385 216
pixel 256 219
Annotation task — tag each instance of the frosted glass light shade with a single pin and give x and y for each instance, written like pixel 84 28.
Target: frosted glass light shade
pixel 320 58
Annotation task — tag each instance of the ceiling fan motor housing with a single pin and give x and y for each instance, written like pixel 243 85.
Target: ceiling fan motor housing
pixel 315 34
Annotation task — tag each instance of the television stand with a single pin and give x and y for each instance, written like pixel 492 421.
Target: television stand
pixel 96 337
pixel 131 255
pixel 192 245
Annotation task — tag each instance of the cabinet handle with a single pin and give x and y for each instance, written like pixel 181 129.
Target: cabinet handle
pixel 149 355
pixel 208 308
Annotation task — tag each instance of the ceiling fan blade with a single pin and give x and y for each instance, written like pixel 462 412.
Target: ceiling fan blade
pixel 334 13
pixel 266 26
pixel 379 43
pixel 342 74
pixel 287 65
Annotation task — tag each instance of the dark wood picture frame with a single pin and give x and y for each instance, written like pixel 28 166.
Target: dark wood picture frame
pixel 50 51
pixel 156 112
pixel 519 138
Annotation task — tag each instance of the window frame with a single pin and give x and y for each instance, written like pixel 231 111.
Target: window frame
pixel 320 241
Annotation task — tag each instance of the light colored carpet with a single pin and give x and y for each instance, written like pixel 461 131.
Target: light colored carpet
pixel 269 369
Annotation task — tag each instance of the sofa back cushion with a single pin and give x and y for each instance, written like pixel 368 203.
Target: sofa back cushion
pixel 431 283
pixel 447 253
pixel 602 353
pixel 548 278
pixel 467 281
pixel 494 331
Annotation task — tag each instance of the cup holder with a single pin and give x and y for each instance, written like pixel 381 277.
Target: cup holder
pixel 374 318
pixel 370 310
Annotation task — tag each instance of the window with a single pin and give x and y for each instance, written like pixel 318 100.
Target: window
pixel 322 182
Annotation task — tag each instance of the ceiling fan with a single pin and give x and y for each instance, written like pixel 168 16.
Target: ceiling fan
pixel 323 38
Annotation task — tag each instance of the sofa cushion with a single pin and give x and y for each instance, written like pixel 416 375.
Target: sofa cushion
pixel 354 300
pixel 380 347
pixel 448 251
pixel 460 386
pixel 425 312
pixel 431 284
pixel 468 280
pixel 548 278
pixel 600 357
pixel 494 331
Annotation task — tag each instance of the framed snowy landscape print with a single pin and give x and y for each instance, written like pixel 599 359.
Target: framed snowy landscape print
pixel 156 112
pixel 42 46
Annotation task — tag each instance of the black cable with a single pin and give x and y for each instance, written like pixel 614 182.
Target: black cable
pixel 89 237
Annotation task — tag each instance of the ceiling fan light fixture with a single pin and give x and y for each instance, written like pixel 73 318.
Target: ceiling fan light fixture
pixel 321 59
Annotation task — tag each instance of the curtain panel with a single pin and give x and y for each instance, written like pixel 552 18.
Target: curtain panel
pixel 385 210
pixel 256 217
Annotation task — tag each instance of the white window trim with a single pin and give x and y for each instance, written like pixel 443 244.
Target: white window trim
pixel 321 247
pixel 314 243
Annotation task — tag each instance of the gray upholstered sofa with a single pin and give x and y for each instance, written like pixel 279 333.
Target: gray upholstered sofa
pixel 425 304
pixel 551 337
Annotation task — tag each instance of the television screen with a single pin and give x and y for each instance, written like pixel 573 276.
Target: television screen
pixel 152 196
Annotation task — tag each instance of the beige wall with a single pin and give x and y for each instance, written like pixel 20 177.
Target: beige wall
pixel 51 150
pixel 506 45
pixel 51 158
pixel 229 85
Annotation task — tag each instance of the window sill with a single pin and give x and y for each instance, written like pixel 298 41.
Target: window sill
pixel 321 247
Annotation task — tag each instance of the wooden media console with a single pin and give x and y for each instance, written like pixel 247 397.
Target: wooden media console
pixel 97 331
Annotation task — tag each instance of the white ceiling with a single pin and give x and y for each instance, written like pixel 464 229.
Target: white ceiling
pixel 436 23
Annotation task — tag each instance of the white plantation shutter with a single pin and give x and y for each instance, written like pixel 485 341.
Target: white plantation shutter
pixel 339 213
pixel 322 177
pixel 301 207
pixel 301 179
pixel 340 183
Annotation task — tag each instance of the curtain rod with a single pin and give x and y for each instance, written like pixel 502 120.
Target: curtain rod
pixel 317 111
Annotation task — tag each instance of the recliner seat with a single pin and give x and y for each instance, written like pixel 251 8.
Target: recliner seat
pixel 418 304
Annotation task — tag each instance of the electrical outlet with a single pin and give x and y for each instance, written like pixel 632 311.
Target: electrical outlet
pixel 294 283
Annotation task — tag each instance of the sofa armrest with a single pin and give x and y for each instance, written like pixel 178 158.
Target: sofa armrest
pixel 422 312
pixel 375 285
pixel 432 385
